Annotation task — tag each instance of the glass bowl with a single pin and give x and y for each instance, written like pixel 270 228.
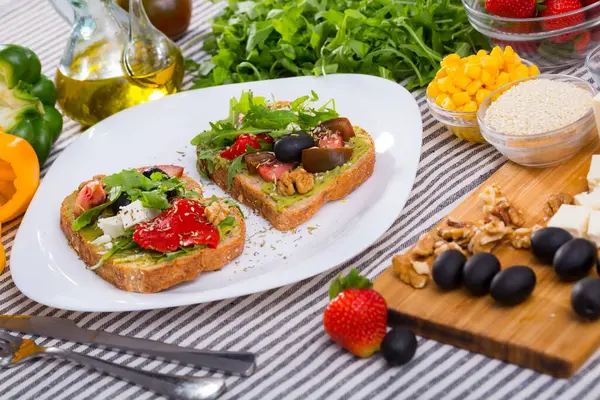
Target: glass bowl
pixel 463 124
pixel 535 38
pixel 543 149
pixel 592 63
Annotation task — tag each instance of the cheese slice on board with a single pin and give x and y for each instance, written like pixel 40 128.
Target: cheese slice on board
pixel 573 219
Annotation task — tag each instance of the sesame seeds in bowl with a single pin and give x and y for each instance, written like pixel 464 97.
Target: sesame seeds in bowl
pixel 539 121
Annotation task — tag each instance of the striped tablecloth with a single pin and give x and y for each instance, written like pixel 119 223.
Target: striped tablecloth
pixel 283 326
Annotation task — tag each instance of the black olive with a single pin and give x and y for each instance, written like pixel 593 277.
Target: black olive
pixel 121 202
pixel 289 148
pixel 585 298
pixel 513 285
pixel 574 259
pixel 447 269
pixel 479 272
pixel 399 346
pixel 545 242
pixel 149 171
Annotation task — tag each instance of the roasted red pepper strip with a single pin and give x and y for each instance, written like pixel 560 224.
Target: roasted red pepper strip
pixel 246 139
pixel 182 225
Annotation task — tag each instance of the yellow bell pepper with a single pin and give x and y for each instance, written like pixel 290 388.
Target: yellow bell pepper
pixel 2 253
pixel 19 176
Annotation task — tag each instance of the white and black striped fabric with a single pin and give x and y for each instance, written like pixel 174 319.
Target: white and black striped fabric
pixel 296 358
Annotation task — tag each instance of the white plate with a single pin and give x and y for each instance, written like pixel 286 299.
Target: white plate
pixel 48 271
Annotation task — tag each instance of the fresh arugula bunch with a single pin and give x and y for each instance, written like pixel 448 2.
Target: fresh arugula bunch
pixel 153 192
pixel 254 115
pixel 266 39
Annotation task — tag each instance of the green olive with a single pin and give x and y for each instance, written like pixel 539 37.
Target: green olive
pixel 171 17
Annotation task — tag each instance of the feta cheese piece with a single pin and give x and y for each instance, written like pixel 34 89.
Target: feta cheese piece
pixel 101 240
pixel 593 231
pixel 593 176
pixel 573 219
pixel 135 213
pixel 111 226
pixel 591 199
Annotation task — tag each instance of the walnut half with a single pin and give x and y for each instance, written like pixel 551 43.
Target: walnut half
pixel 487 236
pixel 424 247
pixel 554 202
pixel 216 212
pixel 412 272
pixel 296 181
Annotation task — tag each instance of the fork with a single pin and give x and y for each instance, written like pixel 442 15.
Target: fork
pixel 15 350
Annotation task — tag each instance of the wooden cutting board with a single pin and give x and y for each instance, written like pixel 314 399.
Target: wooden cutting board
pixel 542 333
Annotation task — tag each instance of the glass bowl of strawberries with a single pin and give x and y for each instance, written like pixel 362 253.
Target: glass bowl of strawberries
pixel 549 33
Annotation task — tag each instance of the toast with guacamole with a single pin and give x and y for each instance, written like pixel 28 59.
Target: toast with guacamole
pixel 147 229
pixel 285 159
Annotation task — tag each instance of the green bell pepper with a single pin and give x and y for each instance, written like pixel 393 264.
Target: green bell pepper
pixel 27 100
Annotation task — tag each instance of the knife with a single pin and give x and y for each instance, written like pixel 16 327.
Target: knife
pixel 238 363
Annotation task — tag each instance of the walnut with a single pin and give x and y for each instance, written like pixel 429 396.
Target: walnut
pixel 216 212
pixel 411 272
pixel 298 180
pixel 442 246
pixel 285 185
pixel 507 213
pixel 461 233
pixel 451 221
pixel 554 202
pixel 487 236
pixel 492 196
pixel 521 238
pixel 424 246
pixel 304 180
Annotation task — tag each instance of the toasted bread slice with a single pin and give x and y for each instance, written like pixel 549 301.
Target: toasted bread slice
pixel 135 277
pixel 247 189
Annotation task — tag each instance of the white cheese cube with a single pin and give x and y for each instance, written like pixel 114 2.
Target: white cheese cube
pixel 135 213
pixel 111 226
pixel 593 176
pixel 590 200
pixel 573 219
pixel 101 240
pixel 593 231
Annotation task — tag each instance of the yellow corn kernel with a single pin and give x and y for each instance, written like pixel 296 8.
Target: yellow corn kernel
pixel 471 106
pixel 450 59
pixel 473 71
pixel 522 71
pixel 473 59
pixel 446 85
pixel 499 55
pixel 503 79
pixel 510 68
pixel 441 73
pixel 448 104
pixel 461 98
pixel 481 95
pixel 433 90
pixel 482 53
pixel 508 50
pixel 440 98
pixel 461 81
pixel 453 70
pixel 496 51
pixel 533 70
pixel 487 78
pixel 489 62
pixel 473 87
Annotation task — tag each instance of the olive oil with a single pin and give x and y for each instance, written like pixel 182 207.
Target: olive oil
pixel 96 85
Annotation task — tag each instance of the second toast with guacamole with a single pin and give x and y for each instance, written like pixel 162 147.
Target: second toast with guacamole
pixel 285 158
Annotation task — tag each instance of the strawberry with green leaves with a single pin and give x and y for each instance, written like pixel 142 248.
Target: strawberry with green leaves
pixel 512 8
pixel 356 316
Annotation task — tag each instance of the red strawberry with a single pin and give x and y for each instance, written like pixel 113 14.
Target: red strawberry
pixel 511 8
pixel 581 42
pixel 557 7
pixel 356 317
pixel 271 172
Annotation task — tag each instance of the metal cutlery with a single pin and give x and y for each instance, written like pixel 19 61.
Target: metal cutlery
pixel 238 363
pixel 14 351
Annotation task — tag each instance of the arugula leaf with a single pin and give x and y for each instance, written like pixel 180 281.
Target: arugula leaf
pixel 226 226
pixel 403 40
pixel 88 216
pixel 121 244
pixel 154 199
